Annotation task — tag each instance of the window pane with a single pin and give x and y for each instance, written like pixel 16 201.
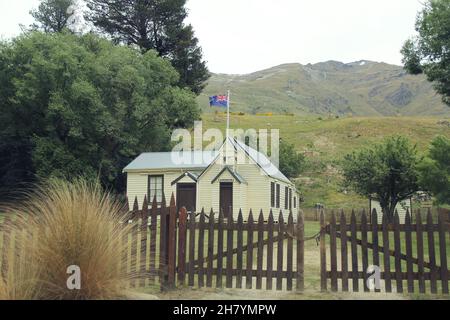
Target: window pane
pixel 155 186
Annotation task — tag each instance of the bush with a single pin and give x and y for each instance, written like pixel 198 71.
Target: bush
pixel 63 224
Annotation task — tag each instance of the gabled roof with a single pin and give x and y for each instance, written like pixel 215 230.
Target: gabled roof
pixel 201 160
pixel 235 175
pixel 169 160
pixel 261 160
pixel 191 175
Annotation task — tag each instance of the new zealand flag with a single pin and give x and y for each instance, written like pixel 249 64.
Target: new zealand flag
pixel 218 101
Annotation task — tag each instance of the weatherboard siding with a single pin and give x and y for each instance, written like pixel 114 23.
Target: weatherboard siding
pixel 253 193
pixel 401 208
pixel 137 184
pixel 136 188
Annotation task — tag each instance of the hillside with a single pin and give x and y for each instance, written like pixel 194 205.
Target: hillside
pixel 362 88
pixel 325 142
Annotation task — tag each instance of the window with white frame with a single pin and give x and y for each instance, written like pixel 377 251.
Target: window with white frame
pixel 155 188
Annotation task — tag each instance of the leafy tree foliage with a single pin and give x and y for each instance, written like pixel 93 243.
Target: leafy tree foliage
pixel 291 162
pixel 73 105
pixel 428 53
pixel 158 25
pixel 52 15
pixel 435 170
pixel 387 172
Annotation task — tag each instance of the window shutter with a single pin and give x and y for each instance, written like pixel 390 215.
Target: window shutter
pixel 272 194
pixel 278 195
pixel 286 197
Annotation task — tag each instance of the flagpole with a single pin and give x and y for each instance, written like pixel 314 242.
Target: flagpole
pixel 228 114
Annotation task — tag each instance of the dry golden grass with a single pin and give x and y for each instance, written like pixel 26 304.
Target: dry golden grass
pixel 59 225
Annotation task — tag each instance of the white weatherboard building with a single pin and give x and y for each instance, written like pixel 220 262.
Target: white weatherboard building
pixel 402 207
pixel 234 177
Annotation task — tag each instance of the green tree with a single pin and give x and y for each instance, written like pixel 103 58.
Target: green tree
pixel 52 15
pixel 428 52
pixel 435 170
pixel 79 105
pixel 387 172
pixel 291 162
pixel 157 25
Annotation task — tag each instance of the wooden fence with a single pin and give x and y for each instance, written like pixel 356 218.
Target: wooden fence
pixel 170 249
pixel 409 253
pixel 210 251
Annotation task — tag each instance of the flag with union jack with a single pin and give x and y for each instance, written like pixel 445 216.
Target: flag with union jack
pixel 218 101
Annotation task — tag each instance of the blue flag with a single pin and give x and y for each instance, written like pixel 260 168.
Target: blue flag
pixel 218 101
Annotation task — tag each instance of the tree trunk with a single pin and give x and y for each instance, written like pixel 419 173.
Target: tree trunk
pixel 388 211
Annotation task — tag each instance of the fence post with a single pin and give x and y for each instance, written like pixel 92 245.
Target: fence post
pixel 323 254
pixel 290 251
pixel 333 253
pixel 398 248
pixel 420 255
pixel 409 252
pixel 143 240
pixel 172 243
pixel 443 253
pixel 134 231
pixel 354 248
pixel 153 231
pixel 210 263
pixel 364 249
pixel 200 253
pixel 220 234
pixel 229 265
pixel 192 246
pixel 163 234
pixel 249 269
pixel 280 235
pixel 240 241
pixel 260 252
pixel 344 252
pixel 182 246
pixel 269 278
pixel 431 252
pixel 386 254
pixel 375 251
pixel 300 251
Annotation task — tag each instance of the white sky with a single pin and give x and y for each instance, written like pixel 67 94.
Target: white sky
pixel 242 36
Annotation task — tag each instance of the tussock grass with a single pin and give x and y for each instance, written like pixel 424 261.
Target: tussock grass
pixel 59 225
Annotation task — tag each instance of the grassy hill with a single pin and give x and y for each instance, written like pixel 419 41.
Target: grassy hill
pixel 362 88
pixel 325 141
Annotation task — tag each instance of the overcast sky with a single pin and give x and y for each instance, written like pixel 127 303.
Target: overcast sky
pixel 242 36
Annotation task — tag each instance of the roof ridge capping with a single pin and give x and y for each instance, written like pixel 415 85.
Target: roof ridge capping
pixel 261 160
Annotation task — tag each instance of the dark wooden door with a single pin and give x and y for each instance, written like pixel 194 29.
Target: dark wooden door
pixel 226 198
pixel 186 196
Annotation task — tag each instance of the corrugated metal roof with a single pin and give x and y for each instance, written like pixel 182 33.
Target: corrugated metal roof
pixel 262 161
pixel 200 159
pixel 172 160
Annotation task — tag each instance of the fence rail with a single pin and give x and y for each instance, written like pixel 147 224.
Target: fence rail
pixel 233 254
pixel 172 248
pixel 409 253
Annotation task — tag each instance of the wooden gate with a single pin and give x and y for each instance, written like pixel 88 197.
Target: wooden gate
pixel 210 251
pixel 408 255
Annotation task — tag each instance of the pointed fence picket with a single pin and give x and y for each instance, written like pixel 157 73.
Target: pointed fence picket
pixel 172 248
pixel 416 265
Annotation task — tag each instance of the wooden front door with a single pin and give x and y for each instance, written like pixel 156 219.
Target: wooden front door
pixel 186 196
pixel 226 198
